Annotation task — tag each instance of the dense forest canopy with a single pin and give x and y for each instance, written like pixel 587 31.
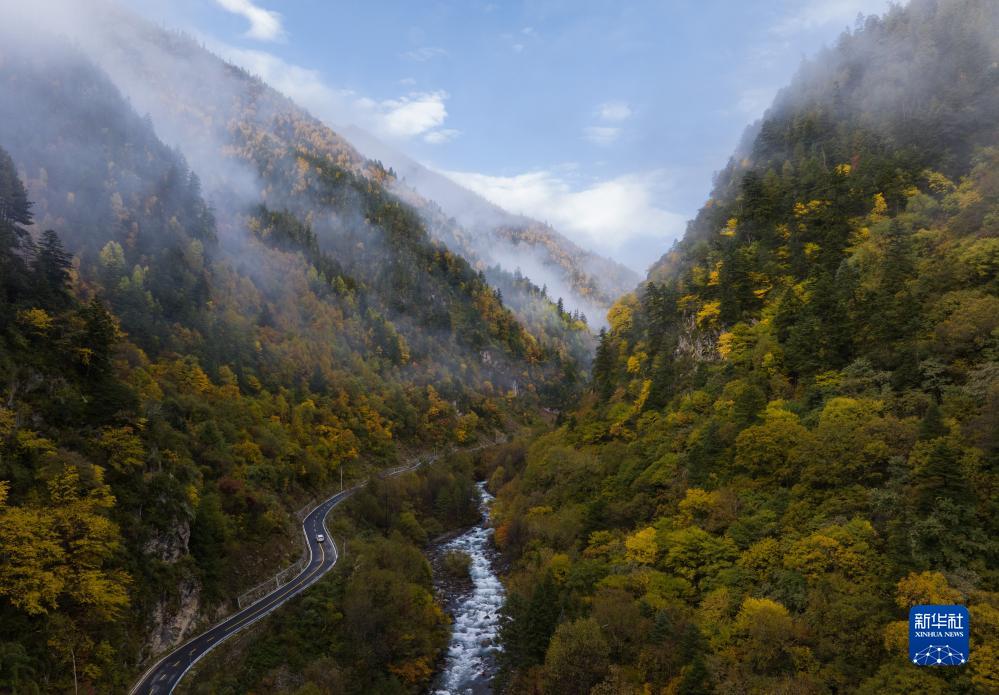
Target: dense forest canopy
pixel 187 358
pixel 211 313
pixel 793 432
pixel 244 138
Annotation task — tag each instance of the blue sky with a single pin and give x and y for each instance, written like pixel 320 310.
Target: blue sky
pixel 606 119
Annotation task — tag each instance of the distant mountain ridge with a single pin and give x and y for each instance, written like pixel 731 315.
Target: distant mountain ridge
pixel 231 311
pixel 209 106
pixel 482 230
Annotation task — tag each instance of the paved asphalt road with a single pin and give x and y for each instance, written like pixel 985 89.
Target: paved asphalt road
pixel 163 676
pixel 166 673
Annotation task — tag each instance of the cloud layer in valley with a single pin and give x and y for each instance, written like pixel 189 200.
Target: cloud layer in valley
pixel 495 95
pixel 620 217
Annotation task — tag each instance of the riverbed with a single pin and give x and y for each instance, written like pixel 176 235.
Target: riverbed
pixel 471 659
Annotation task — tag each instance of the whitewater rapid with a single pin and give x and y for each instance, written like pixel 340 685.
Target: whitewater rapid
pixel 471 658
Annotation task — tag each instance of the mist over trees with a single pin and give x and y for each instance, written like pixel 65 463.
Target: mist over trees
pixel 791 434
pixel 501 241
pixel 212 307
pixel 212 333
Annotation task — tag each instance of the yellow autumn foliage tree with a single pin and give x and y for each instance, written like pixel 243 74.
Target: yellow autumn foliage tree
pixel 641 546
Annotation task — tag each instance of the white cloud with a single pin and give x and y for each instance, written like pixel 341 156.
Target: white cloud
pixel 608 112
pixel 816 14
pixel 302 85
pixel 605 216
pixel 413 114
pixel 614 111
pixel 422 55
pixel 408 116
pixel 519 40
pixel 440 136
pixel 601 135
pixel 265 25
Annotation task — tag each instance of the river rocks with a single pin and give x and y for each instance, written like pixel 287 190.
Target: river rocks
pixel 470 662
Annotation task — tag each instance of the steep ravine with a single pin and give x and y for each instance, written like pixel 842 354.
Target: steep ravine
pixel 471 658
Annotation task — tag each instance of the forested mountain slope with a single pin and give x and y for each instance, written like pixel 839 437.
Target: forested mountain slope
pixel 468 223
pixel 178 376
pixel 250 143
pixel 793 432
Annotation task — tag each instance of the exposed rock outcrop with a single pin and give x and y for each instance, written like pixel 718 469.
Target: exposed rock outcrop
pixel 174 618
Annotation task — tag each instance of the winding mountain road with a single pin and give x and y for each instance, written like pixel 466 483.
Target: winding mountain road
pixel 164 675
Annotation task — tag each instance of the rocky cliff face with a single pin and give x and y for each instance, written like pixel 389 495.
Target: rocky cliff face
pixel 170 545
pixel 175 617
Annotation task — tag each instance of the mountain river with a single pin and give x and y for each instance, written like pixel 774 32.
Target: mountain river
pixel 471 658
